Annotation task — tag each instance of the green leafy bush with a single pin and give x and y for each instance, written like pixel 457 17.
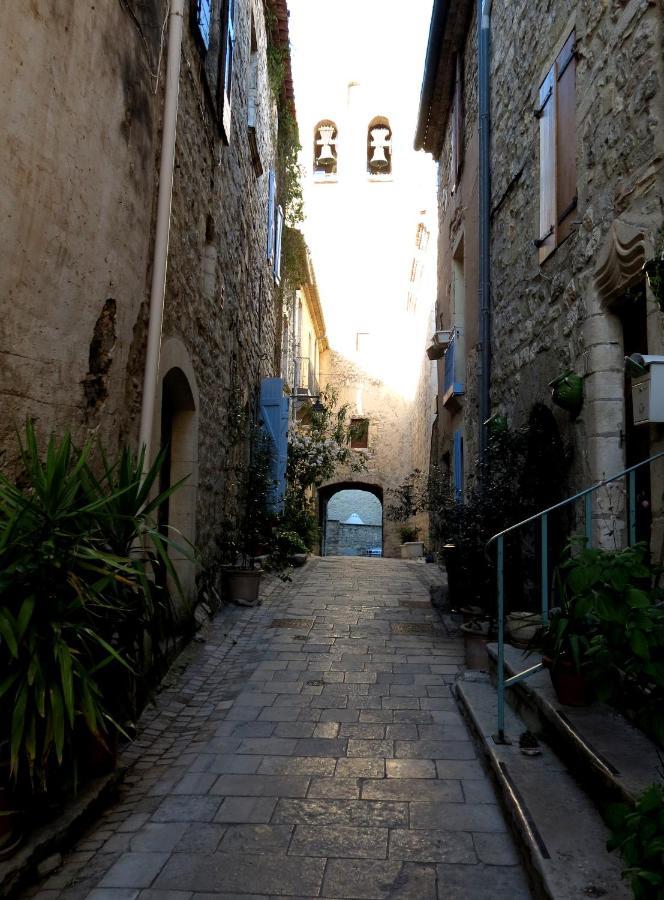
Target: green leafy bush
pixel 638 835
pixel 408 533
pixel 509 489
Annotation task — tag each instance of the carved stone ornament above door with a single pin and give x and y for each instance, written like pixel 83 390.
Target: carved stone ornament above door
pixel 621 261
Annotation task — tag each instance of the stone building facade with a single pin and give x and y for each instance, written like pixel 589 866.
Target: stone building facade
pixel 79 186
pixel 577 200
pixel 303 336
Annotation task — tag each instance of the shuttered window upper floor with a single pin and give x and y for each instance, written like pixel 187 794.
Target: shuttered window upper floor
pixel 557 132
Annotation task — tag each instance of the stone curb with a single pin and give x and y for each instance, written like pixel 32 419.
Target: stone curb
pixel 57 836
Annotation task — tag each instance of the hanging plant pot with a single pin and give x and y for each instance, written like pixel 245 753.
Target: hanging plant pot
pixel 567 391
pixel 497 423
pixel 654 269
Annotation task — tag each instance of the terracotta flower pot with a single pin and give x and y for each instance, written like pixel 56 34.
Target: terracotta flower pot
pixel 572 688
pixel 98 754
pixel 522 627
pixel 470 613
pixel 242 586
pixel 11 835
pixel 475 636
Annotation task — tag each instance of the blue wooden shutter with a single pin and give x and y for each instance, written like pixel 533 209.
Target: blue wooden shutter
pixel 450 367
pixel 271 197
pixel 204 20
pixel 458 466
pixel 225 88
pixel 277 244
pixel 274 417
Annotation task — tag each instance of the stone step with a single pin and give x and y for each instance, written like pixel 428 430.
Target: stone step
pixel 613 760
pixel 559 831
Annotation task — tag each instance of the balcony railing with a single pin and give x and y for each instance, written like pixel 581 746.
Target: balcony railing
pixel 307 383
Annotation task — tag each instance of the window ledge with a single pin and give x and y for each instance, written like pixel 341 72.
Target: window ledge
pixel 453 396
pixel 381 178
pixel 321 178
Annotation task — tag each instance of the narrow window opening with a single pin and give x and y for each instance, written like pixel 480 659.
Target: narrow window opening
pixel 359 434
pixel 252 103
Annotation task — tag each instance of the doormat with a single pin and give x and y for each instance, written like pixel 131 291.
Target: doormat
pixel 411 628
pixel 291 623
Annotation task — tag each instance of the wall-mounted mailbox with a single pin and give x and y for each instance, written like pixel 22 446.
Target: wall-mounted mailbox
pixel 647 388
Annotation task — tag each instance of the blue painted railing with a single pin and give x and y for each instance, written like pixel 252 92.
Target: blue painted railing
pixel 543 518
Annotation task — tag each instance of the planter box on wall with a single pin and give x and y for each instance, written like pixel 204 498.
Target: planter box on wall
pixel 412 550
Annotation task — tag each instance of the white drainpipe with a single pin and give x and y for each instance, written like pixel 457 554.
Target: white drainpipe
pixel 160 259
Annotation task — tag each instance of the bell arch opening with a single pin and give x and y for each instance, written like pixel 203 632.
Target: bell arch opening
pixel 379 146
pixel 326 137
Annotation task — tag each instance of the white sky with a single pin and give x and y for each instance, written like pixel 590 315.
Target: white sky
pixel 368 40
pixel 361 234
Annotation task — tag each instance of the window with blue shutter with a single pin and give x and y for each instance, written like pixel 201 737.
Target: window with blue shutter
pixel 204 20
pixel 274 420
pixel 279 228
pixel 271 201
pixel 226 59
pixel 452 387
pixel 457 449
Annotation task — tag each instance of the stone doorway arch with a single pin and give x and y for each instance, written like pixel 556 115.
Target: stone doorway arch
pixel 178 410
pixel 325 495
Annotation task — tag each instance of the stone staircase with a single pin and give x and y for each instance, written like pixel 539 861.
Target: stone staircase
pixel 555 801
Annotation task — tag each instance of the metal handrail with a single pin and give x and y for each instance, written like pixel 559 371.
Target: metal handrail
pixel 543 517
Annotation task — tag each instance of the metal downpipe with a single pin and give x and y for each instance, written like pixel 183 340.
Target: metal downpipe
pixel 484 93
pixel 162 232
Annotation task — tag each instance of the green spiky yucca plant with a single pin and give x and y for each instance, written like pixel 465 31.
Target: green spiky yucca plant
pixel 72 588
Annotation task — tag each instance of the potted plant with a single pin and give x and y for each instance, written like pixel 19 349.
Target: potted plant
pixel 407 500
pixel 567 391
pixel 411 548
pixel 248 538
pixel 564 643
pixel 58 584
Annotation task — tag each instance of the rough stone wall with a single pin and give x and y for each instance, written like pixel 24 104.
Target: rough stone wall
pixel 458 224
pixel 220 293
pixel 81 120
pixel 549 318
pixel 352 540
pixel 77 179
pixel 366 505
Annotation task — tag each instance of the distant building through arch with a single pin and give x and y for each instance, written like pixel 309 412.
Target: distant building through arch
pixel 351 519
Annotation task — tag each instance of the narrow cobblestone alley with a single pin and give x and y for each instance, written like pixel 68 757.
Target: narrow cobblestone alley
pixel 310 748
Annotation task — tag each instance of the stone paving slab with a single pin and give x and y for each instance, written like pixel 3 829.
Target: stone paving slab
pixel 326 760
